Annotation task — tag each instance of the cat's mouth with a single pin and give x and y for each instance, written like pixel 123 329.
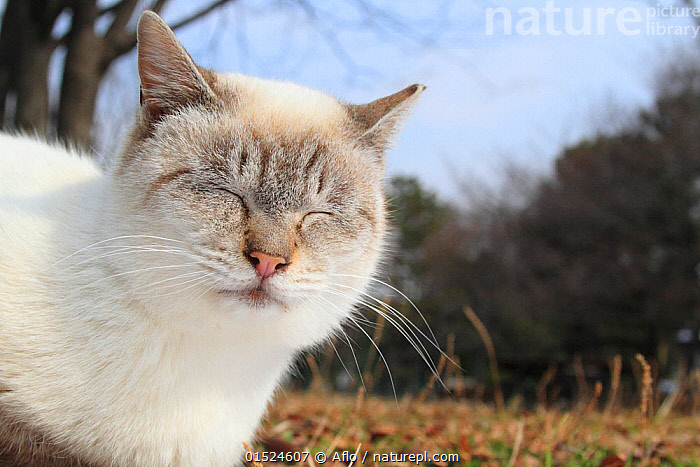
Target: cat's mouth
pixel 257 296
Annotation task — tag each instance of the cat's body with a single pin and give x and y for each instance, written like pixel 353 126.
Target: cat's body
pixel 147 314
pixel 94 365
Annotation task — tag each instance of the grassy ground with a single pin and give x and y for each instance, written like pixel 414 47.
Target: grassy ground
pixel 340 425
pixel 332 427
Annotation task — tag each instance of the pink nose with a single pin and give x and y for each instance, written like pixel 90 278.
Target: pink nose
pixel 265 264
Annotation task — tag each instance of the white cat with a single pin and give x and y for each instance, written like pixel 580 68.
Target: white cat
pixel 147 314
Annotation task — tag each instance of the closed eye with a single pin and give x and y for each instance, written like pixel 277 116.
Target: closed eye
pixel 320 213
pixel 211 188
pixel 315 215
pixel 227 192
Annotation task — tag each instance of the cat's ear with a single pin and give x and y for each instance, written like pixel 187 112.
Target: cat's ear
pixel 375 123
pixel 169 77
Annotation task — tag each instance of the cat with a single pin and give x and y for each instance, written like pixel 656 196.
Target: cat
pixel 149 312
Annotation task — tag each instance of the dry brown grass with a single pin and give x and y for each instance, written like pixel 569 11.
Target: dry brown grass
pixel 652 433
pixel 317 421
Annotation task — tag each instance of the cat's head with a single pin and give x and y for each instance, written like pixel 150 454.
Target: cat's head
pixel 272 192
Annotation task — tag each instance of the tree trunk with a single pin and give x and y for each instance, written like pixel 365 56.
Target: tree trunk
pixel 25 49
pixel 9 52
pixel 32 88
pixel 83 69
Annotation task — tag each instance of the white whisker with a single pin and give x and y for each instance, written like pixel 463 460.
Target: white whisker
pixel 379 352
pixel 381 355
pixel 403 295
pixel 130 250
pixel 121 237
pixel 136 271
pixel 341 361
pixel 198 275
pixel 349 343
pixel 197 282
pixel 205 291
pixel 432 340
pixel 412 339
pixel 398 315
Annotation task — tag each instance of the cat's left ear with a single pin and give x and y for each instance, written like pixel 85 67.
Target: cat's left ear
pixel 375 123
pixel 170 79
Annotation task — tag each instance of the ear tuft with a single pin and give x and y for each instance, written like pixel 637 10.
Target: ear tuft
pixel 375 123
pixel 169 77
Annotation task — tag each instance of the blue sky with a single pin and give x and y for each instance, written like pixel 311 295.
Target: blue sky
pixel 492 99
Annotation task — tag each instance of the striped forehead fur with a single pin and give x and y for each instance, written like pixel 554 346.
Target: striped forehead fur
pixel 283 165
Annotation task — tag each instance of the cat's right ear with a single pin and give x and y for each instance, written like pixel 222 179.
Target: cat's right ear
pixel 169 77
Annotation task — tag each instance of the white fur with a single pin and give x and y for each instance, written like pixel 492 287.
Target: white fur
pixel 126 377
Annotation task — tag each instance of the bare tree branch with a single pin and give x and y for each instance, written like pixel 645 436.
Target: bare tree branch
pixel 333 42
pixel 122 15
pixel 691 4
pixel 128 40
pixel 112 8
pixel 158 5
pixel 51 10
pixel 195 16
pixel 377 15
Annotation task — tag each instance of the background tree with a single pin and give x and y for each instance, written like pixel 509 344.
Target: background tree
pixel 601 258
pixel 691 4
pixel 84 38
pixel 27 43
pixel 615 235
